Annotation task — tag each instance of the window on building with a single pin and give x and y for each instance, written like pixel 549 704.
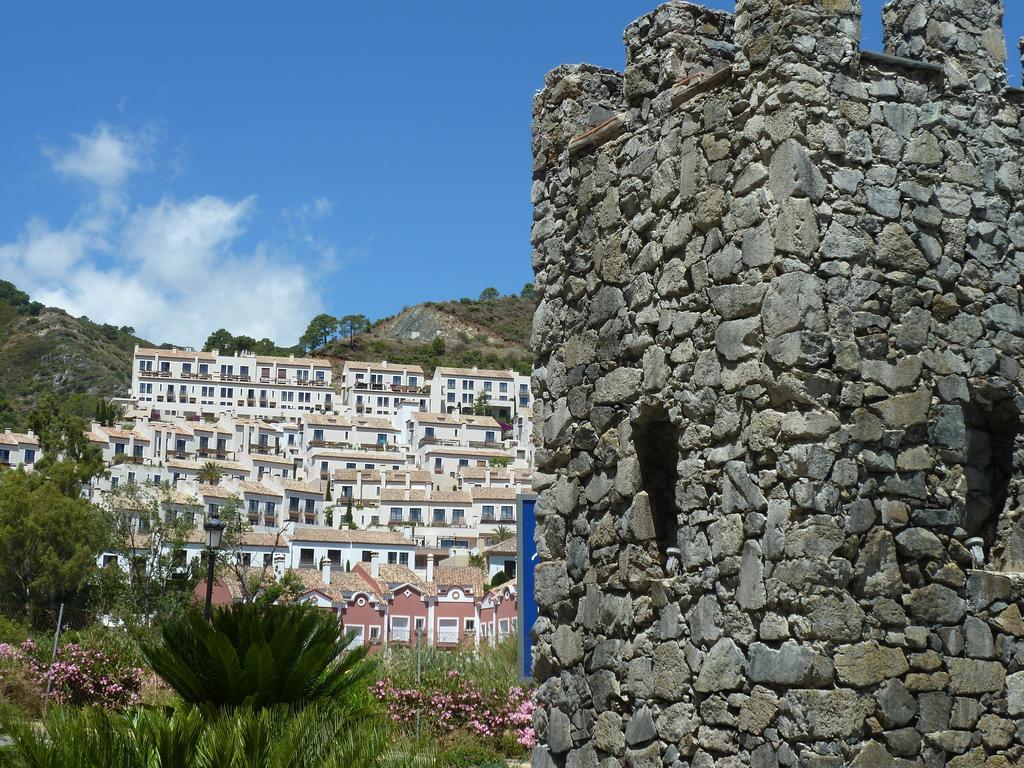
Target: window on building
pixel 487 386
pixel 415 514
pixel 508 512
pixel 488 512
pixel 367 556
pixel 30 456
pixel 403 558
pixel 439 516
pixel 392 558
pixel 306 558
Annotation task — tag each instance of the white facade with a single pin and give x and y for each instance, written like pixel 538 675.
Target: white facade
pixel 173 382
pixel 458 390
pixel 381 389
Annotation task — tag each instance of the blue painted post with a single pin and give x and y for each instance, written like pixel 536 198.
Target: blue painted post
pixel 526 603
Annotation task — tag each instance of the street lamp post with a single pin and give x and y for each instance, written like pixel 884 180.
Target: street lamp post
pixel 214 528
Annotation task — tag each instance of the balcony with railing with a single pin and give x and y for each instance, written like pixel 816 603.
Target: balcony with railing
pixel 208 452
pixel 400 634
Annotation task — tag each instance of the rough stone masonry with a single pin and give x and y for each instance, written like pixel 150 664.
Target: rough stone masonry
pixel 780 393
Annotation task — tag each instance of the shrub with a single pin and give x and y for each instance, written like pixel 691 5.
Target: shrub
pixel 20 679
pixel 467 751
pixel 461 706
pixel 78 676
pixel 258 657
pixel 82 676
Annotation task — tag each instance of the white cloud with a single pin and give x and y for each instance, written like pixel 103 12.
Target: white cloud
pixel 176 270
pixel 105 157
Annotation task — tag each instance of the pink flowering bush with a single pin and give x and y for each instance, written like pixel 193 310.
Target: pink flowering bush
pixel 461 704
pixel 78 676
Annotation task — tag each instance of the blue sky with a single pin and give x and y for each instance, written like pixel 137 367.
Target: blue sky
pixel 180 167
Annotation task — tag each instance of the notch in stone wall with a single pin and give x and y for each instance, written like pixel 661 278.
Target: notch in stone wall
pixel 656 440
pixel 992 422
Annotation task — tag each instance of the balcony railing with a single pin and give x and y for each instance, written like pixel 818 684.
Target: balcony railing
pixel 216 453
pixel 447 636
pixel 400 635
pixel 264 448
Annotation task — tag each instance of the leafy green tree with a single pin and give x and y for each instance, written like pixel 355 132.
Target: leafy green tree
pixel 529 292
pixel 158 582
pixel 244 344
pixel 487 294
pixel 221 340
pixel 321 329
pixel 351 325
pixel 253 578
pixel 49 544
pixel 258 658
pixel 265 346
pixel 107 413
pixel 481 404
pixel 438 346
pixel 69 460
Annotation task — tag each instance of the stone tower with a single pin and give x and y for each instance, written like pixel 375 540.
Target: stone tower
pixel 780 393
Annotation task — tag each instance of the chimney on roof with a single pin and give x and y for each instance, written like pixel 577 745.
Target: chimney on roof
pixel 325 571
pixel 279 561
pixel 375 565
pixel 487 476
pixel 430 567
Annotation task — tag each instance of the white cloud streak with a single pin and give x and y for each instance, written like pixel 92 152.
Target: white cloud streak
pixel 176 270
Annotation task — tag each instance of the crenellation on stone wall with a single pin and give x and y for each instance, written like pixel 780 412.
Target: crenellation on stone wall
pixel 677 40
pixel 965 36
pixel 781 31
pixel 784 312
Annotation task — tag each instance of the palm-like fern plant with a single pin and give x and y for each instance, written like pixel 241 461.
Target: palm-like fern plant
pixel 255 657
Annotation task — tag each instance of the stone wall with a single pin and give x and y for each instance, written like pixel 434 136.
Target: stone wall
pixel 779 393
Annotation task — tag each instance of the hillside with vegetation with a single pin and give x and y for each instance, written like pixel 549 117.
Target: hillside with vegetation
pixel 490 332
pixel 44 350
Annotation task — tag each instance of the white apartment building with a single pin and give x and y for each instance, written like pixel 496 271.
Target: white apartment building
pixel 312 546
pixel 495 477
pixel 17 449
pixel 457 390
pixel 183 382
pixel 494 508
pixel 321 463
pixel 381 389
pixel 432 518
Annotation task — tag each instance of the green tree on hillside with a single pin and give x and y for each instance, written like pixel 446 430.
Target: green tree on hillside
pixel 49 544
pixel 529 292
pixel 489 293
pixel 350 325
pixel 322 329
pixel 221 340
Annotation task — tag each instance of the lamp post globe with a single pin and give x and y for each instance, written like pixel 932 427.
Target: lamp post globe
pixel 214 529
